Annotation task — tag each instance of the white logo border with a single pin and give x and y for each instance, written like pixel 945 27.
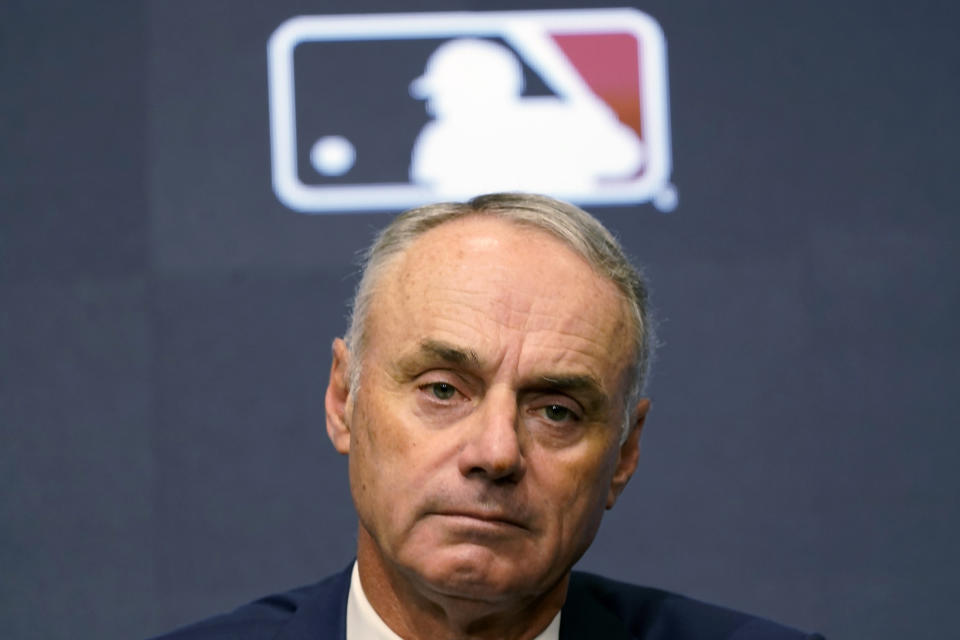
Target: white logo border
pixel 653 184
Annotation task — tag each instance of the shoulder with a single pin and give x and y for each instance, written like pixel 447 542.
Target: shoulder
pixel 319 606
pixel 646 613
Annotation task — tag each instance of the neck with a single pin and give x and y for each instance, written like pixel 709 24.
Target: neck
pixel 416 610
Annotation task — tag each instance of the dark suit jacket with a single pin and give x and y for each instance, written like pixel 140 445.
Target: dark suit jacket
pixel 596 608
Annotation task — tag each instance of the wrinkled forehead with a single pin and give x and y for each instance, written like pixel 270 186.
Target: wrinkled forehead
pixel 481 249
pixel 480 268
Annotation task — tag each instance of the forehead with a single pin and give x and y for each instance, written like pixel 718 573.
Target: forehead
pixel 495 286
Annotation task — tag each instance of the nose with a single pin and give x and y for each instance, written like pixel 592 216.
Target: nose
pixel 492 449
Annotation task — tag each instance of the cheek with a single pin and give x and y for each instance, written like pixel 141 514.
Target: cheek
pixel 369 460
pixel 385 455
pixel 379 492
pixel 577 488
pixel 362 473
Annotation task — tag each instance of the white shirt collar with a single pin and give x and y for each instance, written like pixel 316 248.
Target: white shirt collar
pixel 363 623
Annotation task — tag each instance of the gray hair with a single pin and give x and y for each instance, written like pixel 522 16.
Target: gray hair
pixel 576 228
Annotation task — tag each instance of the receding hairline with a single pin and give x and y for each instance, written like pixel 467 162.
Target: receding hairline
pixel 393 259
pixel 391 268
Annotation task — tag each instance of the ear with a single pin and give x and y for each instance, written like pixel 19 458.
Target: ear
pixel 337 400
pixel 629 453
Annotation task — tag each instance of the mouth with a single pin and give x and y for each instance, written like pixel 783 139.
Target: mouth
pixel 481 519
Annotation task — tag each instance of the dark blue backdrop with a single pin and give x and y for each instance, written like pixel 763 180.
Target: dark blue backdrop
pixel 165 322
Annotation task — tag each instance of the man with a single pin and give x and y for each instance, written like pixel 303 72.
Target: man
pixel 488 395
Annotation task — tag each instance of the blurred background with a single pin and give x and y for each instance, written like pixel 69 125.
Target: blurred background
pixel 166 319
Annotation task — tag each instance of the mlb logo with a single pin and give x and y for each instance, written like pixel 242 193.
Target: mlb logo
pixel 390 111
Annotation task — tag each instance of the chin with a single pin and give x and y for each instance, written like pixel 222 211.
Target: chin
pixel 476 573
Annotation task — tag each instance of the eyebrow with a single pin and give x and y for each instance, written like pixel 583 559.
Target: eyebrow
pixel 467 357
pixel 573 383
pixel 587 387
pixel 447 352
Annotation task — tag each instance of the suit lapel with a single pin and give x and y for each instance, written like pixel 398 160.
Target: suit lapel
pixel 583 616
pixel 323 616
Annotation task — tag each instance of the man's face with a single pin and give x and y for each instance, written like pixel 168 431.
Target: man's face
pixel 484 436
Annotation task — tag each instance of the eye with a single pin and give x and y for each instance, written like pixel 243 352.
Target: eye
pixel 441 390
pixel 559 413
